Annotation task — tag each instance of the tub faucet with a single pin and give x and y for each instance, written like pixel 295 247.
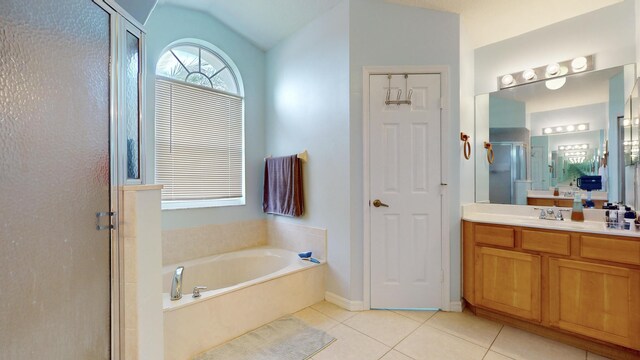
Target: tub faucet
pixel 176 284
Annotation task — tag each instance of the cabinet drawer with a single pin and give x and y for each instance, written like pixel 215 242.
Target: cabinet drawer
pixel 622 251
pixel 495 235
pixel 549 242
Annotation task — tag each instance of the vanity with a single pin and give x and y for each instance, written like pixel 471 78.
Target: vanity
pixel 576 282
pixel 546 198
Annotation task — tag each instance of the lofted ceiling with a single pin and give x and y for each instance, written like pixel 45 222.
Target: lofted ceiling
pixel 263 22
pixel 266 22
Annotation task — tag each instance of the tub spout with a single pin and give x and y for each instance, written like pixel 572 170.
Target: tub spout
pixel 176 284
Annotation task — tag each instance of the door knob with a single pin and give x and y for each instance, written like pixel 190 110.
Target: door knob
pixel 378 203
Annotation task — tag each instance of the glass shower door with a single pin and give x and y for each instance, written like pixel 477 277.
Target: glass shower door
pixel 500 174
pixel 54 178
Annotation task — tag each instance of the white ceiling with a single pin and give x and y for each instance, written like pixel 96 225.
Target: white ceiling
pixel 266 22
pixel 263 22
pixel 489 21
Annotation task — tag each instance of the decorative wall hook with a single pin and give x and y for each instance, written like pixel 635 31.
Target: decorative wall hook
pixel 466 146
pixel 490 155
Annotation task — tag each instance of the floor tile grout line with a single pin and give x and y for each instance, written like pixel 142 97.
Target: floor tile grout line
pixel 354 329
pixel 456 336
pixel 496 338
pixel 461 338
pixel 392 347
pixel 424 321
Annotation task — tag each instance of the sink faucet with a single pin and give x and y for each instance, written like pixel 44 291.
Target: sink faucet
pixel 176 284
pixel 551 214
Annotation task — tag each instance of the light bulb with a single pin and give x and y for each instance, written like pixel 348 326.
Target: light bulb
pixel 585 146
pixel 626 122
pixel 582 127
pixel 555 84
pixel 529 74
pixel 559 129
pixel 571 128
pixel 548 130
pixel 561 148
pixel 553 69
pixel 579 64
pixel 507 80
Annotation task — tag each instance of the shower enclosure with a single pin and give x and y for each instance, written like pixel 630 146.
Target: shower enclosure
pixel 508 166
pixel 59 101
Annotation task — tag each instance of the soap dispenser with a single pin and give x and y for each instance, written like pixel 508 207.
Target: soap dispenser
pixel 577 214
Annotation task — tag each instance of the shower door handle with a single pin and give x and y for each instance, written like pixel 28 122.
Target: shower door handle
pixel 108 215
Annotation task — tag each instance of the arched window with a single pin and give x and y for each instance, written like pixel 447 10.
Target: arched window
pixel 199 128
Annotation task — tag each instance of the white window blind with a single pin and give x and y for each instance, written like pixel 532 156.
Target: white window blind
pixel 199 143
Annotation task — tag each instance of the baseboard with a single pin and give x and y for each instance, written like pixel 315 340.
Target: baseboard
pixel 346 304
pixel 456 306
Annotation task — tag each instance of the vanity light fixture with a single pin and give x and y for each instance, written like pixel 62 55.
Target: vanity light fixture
pixel 564 129
pixel 573 147
pixel 554 73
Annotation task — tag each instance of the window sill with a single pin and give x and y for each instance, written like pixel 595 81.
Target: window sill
pixel 199 204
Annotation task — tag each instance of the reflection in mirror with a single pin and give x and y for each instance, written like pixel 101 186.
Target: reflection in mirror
pixel 552 141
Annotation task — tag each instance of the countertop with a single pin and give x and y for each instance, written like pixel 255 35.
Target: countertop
pixel 527 216
pixel 595 195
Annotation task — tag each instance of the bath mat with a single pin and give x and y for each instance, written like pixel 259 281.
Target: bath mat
pixel 284 339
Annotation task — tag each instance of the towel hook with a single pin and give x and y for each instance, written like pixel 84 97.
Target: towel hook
pixel 407 91
pixel 490 154
pixel 466 146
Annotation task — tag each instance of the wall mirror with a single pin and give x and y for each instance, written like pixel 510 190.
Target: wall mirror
pixel 551 134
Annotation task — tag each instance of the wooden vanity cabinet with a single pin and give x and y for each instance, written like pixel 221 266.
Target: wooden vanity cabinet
pixel 561 202
pixel 508 281
pixel 599 301
pixel 581 284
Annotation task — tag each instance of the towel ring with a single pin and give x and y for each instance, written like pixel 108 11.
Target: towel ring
pixel 466 146
pixel 490 155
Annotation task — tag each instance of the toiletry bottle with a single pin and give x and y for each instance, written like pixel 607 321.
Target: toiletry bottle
pixel 629 218
pixel 556 191
pixel 576 212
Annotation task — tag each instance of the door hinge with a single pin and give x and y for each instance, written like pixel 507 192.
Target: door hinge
pixel 109 215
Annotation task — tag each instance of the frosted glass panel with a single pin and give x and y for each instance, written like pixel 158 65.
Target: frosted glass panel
pixel 132 116
pixel 54 177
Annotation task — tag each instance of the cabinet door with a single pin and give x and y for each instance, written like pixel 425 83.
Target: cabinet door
pixel 508 281
pixel 595 300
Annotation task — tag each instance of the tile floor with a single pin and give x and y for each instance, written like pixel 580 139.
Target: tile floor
pixel 417 335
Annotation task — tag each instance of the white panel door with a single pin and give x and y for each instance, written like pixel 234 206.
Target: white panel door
pixel 406 264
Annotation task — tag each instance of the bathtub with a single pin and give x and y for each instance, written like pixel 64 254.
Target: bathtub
pixel 245 289
pixel 229 272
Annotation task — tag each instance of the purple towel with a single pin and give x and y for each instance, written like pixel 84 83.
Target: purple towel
pixel 283 186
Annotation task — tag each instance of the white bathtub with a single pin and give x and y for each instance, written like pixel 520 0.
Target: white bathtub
pixel 246 289
pixel 225 273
